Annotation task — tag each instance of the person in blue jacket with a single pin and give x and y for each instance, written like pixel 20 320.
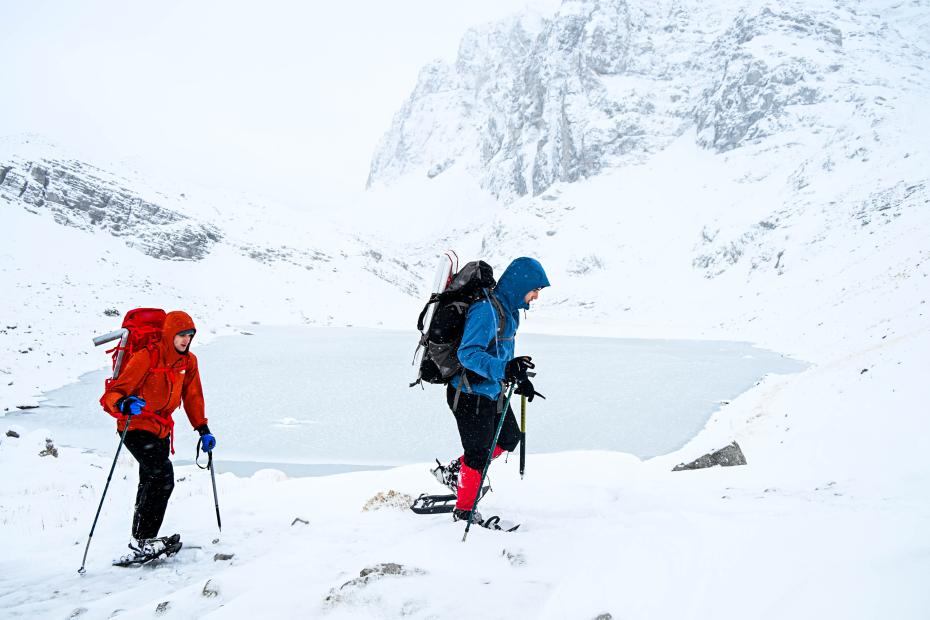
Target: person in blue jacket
pixel 477 402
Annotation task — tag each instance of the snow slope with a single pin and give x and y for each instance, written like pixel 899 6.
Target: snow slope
pixel 823 522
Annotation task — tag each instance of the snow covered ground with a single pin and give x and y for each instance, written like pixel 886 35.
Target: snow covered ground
pixel 828 520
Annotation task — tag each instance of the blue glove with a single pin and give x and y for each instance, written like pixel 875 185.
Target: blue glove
pixel 207 440
pixel 131 405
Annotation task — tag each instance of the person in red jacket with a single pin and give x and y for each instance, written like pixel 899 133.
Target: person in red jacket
pixel 150 387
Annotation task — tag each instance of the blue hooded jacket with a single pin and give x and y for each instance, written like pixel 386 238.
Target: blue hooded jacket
pixel 481 351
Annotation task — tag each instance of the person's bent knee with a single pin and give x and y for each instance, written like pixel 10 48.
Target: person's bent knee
pixel 476 462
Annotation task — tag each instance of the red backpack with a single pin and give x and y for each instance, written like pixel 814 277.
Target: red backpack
pixel 141 329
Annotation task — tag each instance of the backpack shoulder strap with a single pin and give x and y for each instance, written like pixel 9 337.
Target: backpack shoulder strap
pixel 499 311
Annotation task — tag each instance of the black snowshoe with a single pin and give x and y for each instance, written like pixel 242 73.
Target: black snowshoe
pixel 491 523
pixel 428 504
pixel 149 550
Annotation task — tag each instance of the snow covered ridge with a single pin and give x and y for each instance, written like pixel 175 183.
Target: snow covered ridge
pixel 85 197
pixel 80 244
pixel 532 102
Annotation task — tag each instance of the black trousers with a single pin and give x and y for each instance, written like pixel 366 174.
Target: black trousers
pixel 477 419
pixel 156 481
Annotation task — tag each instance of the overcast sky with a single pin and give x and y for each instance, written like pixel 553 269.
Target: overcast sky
pixel 287 98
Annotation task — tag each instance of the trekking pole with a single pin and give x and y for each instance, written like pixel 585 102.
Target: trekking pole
pixel 484 472
pixel 107 486
pixel 216 501
pixel 522 435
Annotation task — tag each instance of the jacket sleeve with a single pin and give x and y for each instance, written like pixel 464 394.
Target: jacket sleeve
pixel 129 381
pixel 480 330
pixel 192 395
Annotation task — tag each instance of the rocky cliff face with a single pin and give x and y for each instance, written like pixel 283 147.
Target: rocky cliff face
pixel 604 83
pixel 170 227
pixel 81 196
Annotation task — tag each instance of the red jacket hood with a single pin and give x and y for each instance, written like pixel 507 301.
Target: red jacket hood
pixel 175 321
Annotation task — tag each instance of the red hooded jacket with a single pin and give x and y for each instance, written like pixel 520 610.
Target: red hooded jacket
pixel 174 378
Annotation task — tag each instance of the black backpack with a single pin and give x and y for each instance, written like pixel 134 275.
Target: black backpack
pixel 440 341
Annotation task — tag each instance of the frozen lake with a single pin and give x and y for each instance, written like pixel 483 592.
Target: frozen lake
pixel 324 400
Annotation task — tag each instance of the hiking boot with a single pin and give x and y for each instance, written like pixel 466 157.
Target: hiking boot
pixel 154 547
pixel 148 549
pixel 448 475
pixel 462 515
pixel 135 556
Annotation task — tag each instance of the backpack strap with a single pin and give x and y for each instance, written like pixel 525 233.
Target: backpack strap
pixel 499 311
pixel 463 380
pixel 435 297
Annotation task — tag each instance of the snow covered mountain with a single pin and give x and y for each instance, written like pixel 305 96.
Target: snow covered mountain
pixel 531 102
pixel 661 156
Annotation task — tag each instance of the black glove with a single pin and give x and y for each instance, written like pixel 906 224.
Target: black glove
pixel 203 429
pixel 525 388
pixel 515 370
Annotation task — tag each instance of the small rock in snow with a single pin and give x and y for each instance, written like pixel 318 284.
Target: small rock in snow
pixel 516 558
pixel 50 449
pixel 367 575
pixel 209 590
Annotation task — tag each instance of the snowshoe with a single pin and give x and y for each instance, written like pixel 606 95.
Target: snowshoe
pixel 438 504
pixel 149 550
pixel 491 523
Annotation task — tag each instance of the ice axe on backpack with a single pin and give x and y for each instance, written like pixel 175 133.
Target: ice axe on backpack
pixel 123 335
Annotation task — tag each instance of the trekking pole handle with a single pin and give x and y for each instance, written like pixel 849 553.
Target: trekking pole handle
pixel 114 335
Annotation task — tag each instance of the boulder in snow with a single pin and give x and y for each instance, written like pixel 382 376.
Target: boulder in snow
pixel 725 457
pixel 391 499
